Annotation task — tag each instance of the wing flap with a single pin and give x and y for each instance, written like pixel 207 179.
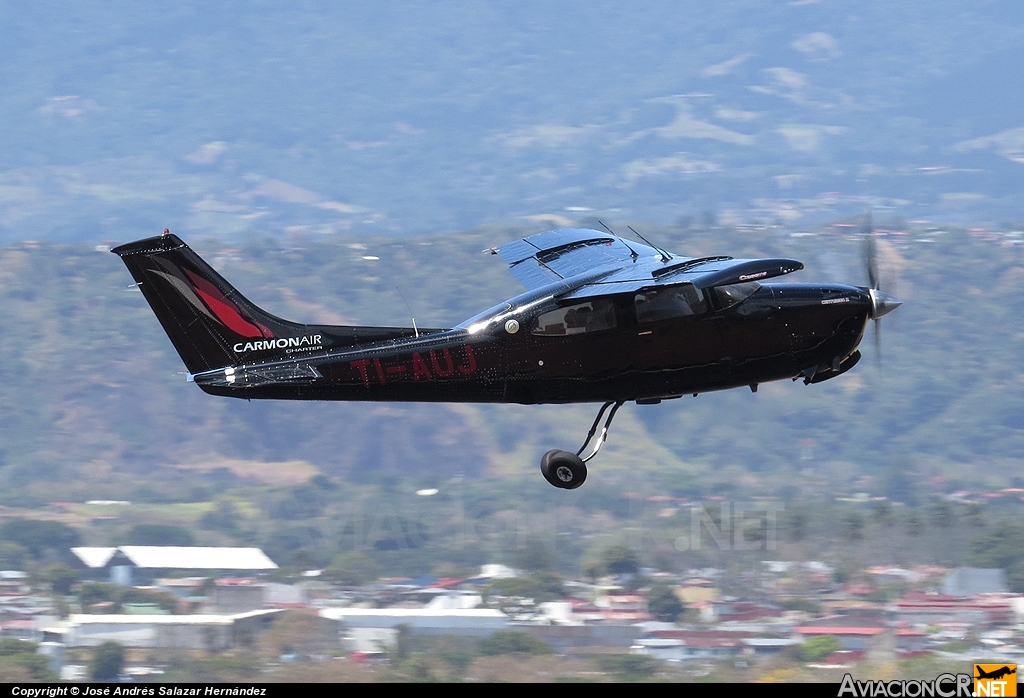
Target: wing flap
pixel 562 254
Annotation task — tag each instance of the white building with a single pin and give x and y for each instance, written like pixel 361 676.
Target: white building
pixel 363 629
pixel 211 632
pixel 132 564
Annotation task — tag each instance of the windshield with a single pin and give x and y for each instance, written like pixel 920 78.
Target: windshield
pixel 734 294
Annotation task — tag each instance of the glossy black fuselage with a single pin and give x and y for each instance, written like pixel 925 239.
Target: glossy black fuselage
pixel 780 331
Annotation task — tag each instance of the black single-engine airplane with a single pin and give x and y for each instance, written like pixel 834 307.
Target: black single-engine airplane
pixel 603 320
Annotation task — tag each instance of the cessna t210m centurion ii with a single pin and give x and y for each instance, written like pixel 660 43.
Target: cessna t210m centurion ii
pixel 603 320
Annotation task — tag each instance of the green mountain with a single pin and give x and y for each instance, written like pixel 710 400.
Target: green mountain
pixel 94 402
pixel 257 117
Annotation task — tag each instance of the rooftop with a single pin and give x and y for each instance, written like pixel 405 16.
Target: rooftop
pixel 176 557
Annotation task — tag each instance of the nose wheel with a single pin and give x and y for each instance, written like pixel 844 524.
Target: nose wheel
pixel 563 469
pixel 567 470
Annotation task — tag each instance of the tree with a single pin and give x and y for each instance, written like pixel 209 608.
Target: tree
pixel 38 536
pixel 853 526
pixel 882 512
pixel 974 516
pixel 663 604
pixel 914 524
pixel 223 518
pixel 541 586
pixel 113 596
pixel 630 667
pixel 19 661
pixel 353 567
pixel 12 556
pixel 456 654
pixel 301 633
pixel 513 642
pixel 533 555
pixel 900 484
pixel 165 600
pixel 107 662
pixel 60 578
pixel 1001 548
pixel 92 593
pixel 817 648
pixel 943 515
pixel 621 559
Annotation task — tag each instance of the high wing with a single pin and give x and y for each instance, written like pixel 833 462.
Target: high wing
pixel 560 255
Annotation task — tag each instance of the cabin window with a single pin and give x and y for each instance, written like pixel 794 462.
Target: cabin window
pixel 592 316
pixel 734 294
pixel 669 302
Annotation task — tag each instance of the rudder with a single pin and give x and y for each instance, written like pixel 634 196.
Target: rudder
pixel 204 316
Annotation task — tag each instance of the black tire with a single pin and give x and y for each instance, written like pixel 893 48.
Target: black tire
pixel 563 469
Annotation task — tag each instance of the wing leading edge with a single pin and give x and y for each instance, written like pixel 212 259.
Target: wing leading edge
pixel 556 255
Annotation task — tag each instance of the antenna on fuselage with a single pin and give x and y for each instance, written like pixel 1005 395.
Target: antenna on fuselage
pixel 414 328
pixel 632 252
pixel 665 256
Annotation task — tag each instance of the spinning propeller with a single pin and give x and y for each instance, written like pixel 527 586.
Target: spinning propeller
pixel 882 303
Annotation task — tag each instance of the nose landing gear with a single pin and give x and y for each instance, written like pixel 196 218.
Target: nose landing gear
pixel 563 469
pixel 568 470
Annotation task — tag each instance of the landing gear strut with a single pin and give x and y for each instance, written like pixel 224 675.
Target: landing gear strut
pixel 568 470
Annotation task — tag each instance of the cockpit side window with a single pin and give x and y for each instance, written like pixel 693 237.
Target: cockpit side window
pixel 592 316
pixel 671 302
pixel 734 294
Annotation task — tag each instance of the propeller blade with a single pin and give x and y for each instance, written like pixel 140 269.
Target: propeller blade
pixel 881 302
pixel 870 252
pixel 878 341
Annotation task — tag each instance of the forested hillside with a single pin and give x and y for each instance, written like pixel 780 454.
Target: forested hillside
pixel 94 402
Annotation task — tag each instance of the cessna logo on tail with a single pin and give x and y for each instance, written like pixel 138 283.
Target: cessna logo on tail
pixel 310 340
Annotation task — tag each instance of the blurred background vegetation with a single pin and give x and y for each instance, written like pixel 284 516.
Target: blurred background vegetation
pixel 901 460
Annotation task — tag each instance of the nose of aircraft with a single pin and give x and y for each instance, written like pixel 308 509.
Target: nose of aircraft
pixel 882 303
